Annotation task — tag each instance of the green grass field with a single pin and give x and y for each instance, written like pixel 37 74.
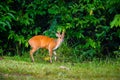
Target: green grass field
pixel 12 68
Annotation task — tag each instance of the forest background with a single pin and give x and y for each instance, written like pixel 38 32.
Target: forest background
pixel 92 27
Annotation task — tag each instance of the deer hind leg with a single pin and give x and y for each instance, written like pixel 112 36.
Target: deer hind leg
pixel 32 51
pixel 55 55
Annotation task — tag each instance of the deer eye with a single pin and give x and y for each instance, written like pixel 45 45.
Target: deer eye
pixel 60 37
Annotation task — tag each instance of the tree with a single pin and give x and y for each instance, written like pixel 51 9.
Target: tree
pixel 92 27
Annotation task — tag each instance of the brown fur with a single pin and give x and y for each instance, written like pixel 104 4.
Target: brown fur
pixel 41 41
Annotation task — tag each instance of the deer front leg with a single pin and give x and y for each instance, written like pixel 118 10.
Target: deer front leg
pixel 55 55
pixel 50 54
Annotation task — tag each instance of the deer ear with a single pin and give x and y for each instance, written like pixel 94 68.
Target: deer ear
pixel 58 34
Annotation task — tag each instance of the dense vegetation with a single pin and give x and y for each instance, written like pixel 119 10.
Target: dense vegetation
pixel 92 27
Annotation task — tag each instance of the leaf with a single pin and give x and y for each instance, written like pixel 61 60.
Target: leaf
pixel 100 35
pixel 8 24
pixel 53 10
pixel 3 23
pixel 11 35
pixel 10 14
pixel 116 21
pixel 90 42
pixel 7 8
pixel 91 12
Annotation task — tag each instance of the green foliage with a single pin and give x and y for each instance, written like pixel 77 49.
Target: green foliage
pixel 91 27
pixel 18 38
pixel 116 21
pixel 7 16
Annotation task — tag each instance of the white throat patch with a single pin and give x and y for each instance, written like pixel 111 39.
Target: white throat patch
pixel 58 44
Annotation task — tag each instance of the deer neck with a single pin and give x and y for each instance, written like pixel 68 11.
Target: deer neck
pixel 58 43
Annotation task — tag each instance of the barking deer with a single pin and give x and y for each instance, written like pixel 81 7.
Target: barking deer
pixel 41 41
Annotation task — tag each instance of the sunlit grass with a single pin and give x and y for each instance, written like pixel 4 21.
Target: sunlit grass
pixel 13 68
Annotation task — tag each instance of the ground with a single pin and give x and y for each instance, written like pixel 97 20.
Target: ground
pixel 12 68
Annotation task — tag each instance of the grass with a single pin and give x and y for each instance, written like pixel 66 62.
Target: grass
pixel 17 68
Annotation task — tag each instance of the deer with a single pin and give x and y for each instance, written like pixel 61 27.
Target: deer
pixel 42 41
